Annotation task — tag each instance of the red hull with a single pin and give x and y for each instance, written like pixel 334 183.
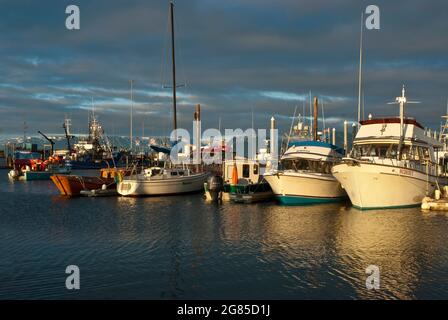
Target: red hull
pixel 71 185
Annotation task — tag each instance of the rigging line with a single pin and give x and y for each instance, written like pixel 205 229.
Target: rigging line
pixel 164 55
pixel 363 104
pixel 179 48
pixel 360 68
pixel 303 119
pixel 292 124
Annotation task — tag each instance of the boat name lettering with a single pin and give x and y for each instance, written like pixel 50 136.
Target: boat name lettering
pixel 406 172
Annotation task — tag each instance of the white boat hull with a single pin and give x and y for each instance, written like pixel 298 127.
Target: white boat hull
pixel 373 186
pixel 301 188
pixel 139 186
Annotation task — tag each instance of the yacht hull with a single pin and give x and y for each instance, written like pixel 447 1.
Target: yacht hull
pixel 147 187
pixel 373 186
pixel 295 188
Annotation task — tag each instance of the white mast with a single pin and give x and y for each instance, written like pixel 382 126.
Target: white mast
pixel 131 116
pixel 323 118
pixel 402 101
pixel 311 111
pixel 360 70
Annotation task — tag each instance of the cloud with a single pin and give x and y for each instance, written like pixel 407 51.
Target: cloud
pixel 234 56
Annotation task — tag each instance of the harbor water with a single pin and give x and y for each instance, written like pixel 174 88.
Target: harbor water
pixel 181 247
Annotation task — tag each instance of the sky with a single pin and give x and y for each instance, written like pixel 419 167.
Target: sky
pixel 236 58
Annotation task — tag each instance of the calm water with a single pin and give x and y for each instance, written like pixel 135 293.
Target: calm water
pixel 182 247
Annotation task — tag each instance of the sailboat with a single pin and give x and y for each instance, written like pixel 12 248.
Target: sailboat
pixel 158 180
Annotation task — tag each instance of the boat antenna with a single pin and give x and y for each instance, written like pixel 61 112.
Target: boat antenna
pixel 402 102
pixel 93 108
pixel 360 70
pixel 290 128
pixel 444 127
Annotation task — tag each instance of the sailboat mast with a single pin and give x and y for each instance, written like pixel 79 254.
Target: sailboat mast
pixel 360 70
pixel 131 116
pixel 174 65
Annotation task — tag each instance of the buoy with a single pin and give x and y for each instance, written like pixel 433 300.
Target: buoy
pixel 437 194
pixel 103 187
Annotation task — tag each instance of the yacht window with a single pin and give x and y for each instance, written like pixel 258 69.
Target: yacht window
pixel 361 151
pixel 406 153
pixel 302 164
pixel 426 153
pixel 419 153
pixel 376 150
pixel 255 168
pixel 174 173
pixel 246 171
pixel 381 150
pixel 392 151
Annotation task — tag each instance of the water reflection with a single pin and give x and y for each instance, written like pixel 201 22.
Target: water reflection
pixel 388 239
pixel 183 247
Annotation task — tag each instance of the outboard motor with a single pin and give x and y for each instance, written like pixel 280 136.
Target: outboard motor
pixel 215 186
pixel 13 174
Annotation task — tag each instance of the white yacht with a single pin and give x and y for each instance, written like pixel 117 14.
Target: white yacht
pixel 393 163
pixel 305 175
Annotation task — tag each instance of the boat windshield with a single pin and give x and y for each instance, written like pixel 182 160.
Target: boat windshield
pixel 390 151
pixel 307 165
pixel 375 150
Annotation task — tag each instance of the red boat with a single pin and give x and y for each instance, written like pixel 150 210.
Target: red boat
pixel 72 185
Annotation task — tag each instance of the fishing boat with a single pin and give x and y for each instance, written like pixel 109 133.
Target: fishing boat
pixel 393 163
pixel 90 152
pixel 28 166
pixel 242 182
pixel 72 185
pixel 305 175
pixel 169 180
